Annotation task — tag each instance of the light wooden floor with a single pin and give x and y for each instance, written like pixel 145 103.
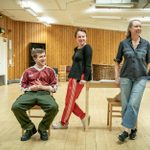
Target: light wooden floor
pixel 98 137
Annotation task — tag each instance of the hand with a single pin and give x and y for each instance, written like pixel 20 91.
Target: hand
pixel 38 82
pixel 117 81
pixel 37 86
pixel 82 82
pixel 34 88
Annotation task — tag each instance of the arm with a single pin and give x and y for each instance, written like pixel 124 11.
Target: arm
pixel 118 60
pixel 88 61
pixel 49 82
pixel 117 73
pixel 24 84
pixel 148 59
pixel 53 82
pixel 148 68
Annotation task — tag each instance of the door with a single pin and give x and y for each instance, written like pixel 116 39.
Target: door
pixel 3 60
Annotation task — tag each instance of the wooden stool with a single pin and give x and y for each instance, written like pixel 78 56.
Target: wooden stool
pixel 36 107
pixel 112 112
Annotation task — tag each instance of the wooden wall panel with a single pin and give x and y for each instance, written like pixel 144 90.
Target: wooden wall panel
pixel 60 43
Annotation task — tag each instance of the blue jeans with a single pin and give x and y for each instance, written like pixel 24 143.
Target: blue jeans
pixel 131 95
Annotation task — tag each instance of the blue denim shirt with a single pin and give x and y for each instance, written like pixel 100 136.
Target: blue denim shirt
pixel 135 60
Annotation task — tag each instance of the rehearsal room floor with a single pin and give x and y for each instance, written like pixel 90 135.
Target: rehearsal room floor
pixel 97 137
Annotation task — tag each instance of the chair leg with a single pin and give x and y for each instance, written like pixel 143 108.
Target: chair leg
pixel 49 132
pixel 29 113
pixel 22 131
pixel 108 115
pixel 110 122
pixel 136 125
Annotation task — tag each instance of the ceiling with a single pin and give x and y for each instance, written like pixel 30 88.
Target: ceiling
pixel 78 13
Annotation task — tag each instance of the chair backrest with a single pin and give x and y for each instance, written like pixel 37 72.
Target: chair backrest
pixel 68 68
pixel 62 68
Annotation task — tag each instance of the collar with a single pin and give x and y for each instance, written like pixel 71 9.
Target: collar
pixel 130 40
pixel 39 69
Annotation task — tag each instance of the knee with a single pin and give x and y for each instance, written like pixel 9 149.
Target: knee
pixel 134 107
pixel 54 108
pixel 14 107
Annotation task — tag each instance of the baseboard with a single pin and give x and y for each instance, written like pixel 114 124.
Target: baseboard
pixel 13 81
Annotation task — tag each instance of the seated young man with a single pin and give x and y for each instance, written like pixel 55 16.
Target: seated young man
pixel 37 82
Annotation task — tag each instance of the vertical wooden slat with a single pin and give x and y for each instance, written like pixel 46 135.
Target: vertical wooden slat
pixel 60 43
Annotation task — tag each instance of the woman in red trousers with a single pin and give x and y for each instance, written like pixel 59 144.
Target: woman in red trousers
pixel 79 74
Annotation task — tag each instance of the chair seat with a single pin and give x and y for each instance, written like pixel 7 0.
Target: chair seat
pixel 35 107
pixel 114 110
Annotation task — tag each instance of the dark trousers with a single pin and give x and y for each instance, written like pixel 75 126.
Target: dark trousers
pixel 27 100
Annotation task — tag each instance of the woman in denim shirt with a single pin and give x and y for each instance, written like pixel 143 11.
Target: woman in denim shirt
pixel 135 53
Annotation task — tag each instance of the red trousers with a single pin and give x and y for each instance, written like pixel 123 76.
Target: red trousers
pixel 73 92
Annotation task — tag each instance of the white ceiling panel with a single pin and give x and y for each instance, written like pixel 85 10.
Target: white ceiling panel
pixel 76 13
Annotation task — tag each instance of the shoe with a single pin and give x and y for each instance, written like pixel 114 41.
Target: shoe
pixel 43 135
pixel 27 135
pixel 84 120
pixel 59 126
pixel 123 136
pixel 133 134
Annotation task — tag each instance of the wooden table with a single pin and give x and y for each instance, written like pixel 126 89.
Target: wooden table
pixel 96 84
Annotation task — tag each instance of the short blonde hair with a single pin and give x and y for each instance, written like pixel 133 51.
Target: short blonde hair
pixel 35 51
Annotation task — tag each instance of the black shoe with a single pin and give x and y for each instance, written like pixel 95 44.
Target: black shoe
pixel 27 135
pixel 123 136
pixel 43 135
pixel 133 134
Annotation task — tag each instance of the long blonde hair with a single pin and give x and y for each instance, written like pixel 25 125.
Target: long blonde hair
pixel 129 26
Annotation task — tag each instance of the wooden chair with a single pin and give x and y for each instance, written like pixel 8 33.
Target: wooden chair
pixel 113 110
pixel 62 74
pixel 35 107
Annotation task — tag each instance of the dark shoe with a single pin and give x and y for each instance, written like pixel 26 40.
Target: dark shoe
pixel 43 135
pixel 123 136
pixel 27 135
pixel 133 134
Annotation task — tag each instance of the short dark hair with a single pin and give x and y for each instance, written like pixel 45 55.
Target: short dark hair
pixel 35 51
pixel 79 29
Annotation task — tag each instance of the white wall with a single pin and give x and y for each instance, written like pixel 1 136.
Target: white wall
pixel 146 33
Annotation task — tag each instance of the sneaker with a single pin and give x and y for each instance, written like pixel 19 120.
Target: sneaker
pixel 133 134
pixel 27 135
pixel 59 126
pixel 84 120
pixel 123 136
pixel 43 135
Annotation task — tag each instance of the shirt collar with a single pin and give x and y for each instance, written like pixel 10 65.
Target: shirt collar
pixel 39 69
pixel 130 40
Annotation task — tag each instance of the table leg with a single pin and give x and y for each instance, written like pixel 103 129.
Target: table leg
pixel 86 107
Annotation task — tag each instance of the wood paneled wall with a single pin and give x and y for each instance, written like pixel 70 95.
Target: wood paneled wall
pixel 60 42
